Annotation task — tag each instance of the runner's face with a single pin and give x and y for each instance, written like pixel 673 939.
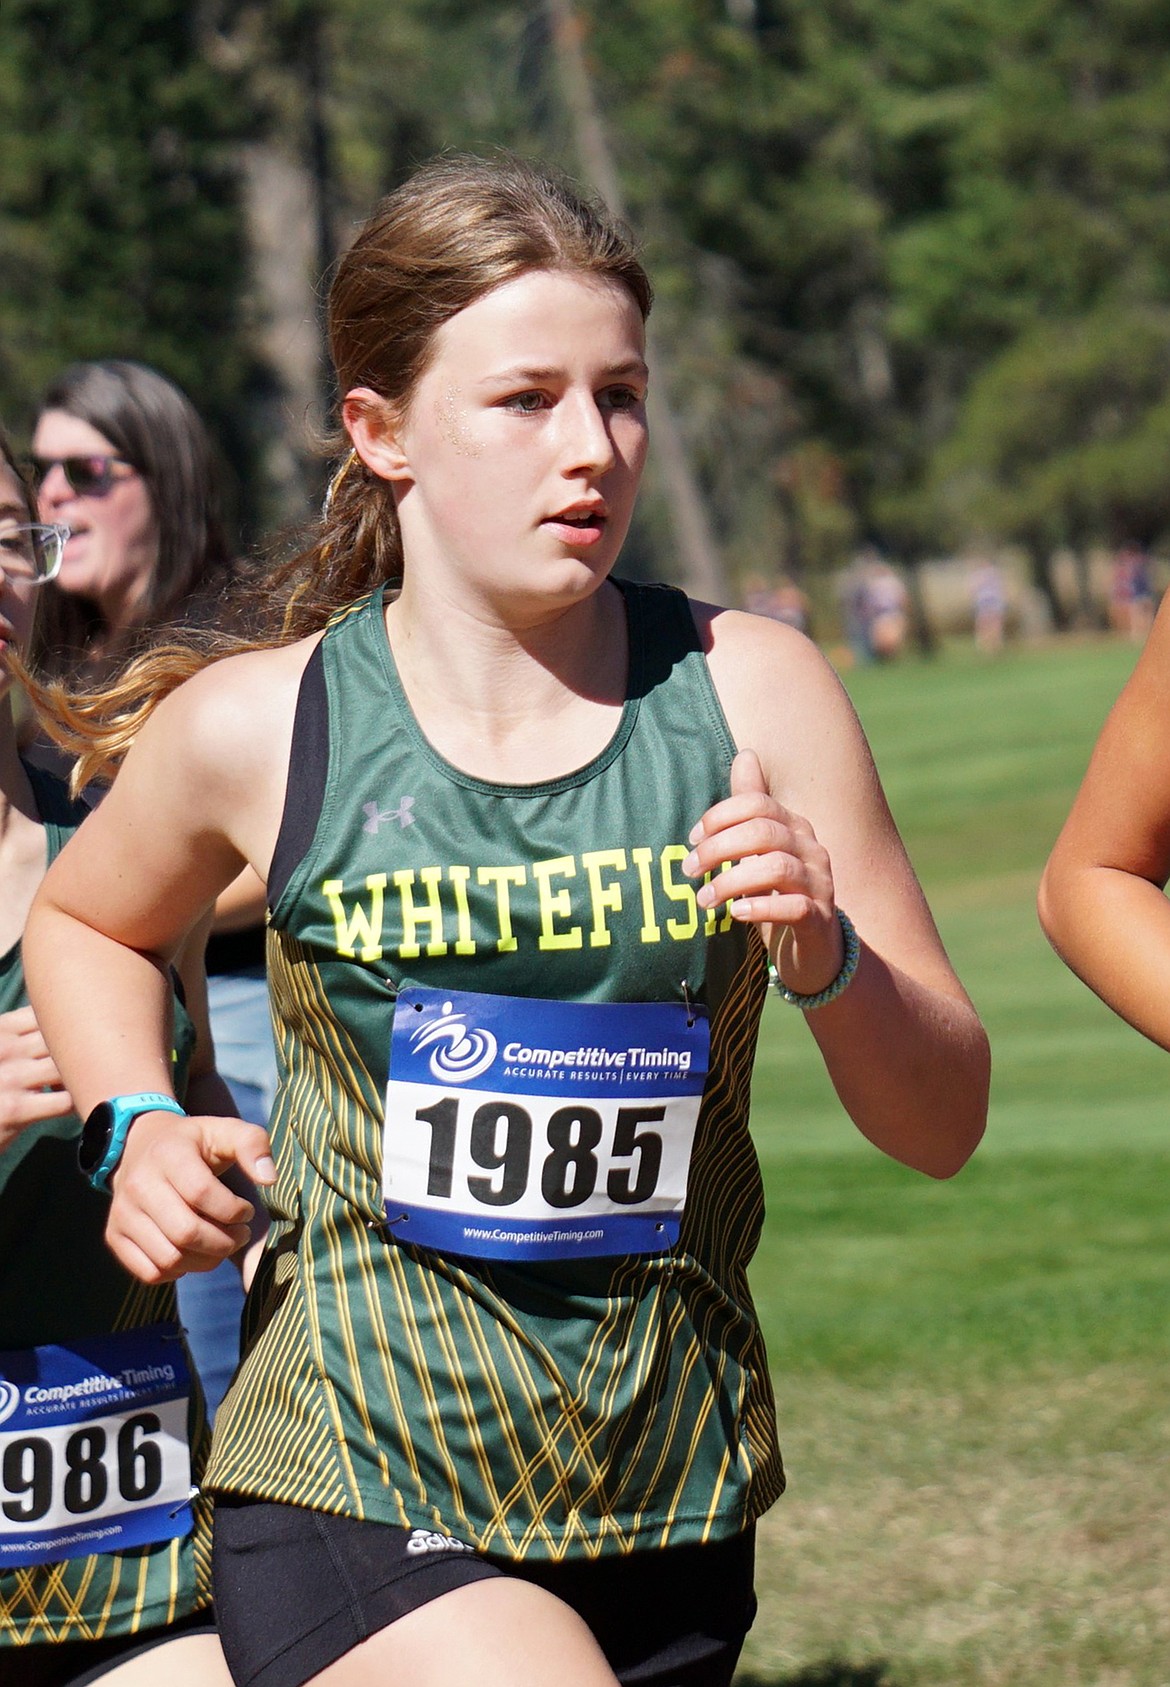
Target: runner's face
pixel 524 441
pixel 16 597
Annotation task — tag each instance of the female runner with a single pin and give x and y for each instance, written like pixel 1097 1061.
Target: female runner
pixel 530 835
pixel 1102 899
pixel 81 1462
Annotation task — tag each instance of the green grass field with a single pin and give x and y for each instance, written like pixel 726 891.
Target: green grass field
pixel 972 1377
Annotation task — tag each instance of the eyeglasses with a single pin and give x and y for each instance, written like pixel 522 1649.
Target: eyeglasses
pixel 88 477
pixel 31 551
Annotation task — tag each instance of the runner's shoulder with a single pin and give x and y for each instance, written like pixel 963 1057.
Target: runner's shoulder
pixel 236 707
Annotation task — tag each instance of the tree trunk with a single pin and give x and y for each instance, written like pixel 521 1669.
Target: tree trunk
pixel 1090 613
pixel 925 636
pixel 279 203
pixel 702 569
pixel 1039 554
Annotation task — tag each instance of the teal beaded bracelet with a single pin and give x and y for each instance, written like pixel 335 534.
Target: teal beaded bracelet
pixel 842 981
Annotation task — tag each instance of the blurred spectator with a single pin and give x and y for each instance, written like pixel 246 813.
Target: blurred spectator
pixel 886 605
pixel 1132 598
pixel 780 599
pixel 875 608
pixel 852 594
pixel 989 599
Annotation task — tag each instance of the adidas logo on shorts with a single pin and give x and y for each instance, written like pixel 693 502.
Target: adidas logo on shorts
pixel 426 1540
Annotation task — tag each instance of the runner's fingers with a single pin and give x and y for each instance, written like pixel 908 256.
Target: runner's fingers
pixel 735 811
pixel 774 870
pixel 23 1104
pixel 143 1248
pixel 28 1046
pixel 174 1238
pixel 20 1075
pixel 776 908
pixel 210 1198
pixel 231 1142
pixel 134 1259
pixel 175 1184
pixel 17 1022
pixel 46 1104
pixel 759 836
pixel 34 1072
pixel 20 1037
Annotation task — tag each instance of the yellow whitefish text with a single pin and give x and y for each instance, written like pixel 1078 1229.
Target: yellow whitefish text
pixel 566 902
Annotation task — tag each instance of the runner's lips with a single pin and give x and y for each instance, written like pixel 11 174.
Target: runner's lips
pixel 586 517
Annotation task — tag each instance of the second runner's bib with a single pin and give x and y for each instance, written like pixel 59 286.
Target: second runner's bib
pixel 93 1446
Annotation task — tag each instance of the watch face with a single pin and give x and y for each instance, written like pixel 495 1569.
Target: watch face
pixel 95 1137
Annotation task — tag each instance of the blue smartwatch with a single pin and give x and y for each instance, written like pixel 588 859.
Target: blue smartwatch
pixel 103 1135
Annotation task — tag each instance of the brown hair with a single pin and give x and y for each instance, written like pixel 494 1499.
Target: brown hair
pixel 156 428
pixel 10 463
pixel 459 227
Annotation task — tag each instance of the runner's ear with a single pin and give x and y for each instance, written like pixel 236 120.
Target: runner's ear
pixel 375 427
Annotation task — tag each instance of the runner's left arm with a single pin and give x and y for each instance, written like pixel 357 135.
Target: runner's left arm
pixel 806 829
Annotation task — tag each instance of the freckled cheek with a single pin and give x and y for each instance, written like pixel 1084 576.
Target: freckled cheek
pixel 458 431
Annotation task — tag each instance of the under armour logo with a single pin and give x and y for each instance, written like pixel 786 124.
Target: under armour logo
pixel 375 816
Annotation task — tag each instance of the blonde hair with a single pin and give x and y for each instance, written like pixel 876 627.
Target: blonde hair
pixel 456 229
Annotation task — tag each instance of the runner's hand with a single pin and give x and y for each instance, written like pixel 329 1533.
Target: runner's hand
pixel 767 863
pixel 30 1084
pixel 171 1213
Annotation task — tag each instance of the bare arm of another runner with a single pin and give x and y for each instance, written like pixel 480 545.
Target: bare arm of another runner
pixel 1101 897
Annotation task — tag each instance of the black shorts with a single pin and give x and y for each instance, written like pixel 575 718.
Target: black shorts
pixel 296 1589
pixel 76 1663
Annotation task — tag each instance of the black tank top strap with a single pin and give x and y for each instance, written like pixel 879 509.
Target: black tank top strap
pixel 60 813
pixel 308 770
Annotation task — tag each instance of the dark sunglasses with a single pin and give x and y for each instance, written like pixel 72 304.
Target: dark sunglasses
pixel 88 477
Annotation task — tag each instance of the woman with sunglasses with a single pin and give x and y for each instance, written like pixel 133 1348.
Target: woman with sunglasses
pixel 74 1475
pixel 121 456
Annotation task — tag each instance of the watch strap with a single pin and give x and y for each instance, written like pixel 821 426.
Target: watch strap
pixel 103 1136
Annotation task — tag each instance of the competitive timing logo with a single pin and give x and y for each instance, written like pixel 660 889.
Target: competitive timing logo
pixel 462 1054
pixel 9 1399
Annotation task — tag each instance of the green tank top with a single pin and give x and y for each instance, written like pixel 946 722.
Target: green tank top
pixel 550 1407
pixel 59 1283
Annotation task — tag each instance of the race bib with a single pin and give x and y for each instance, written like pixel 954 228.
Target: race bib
pixel 519 1129
pixel 94 1454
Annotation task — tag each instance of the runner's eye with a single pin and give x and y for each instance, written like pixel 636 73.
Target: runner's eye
pixel 621 398
pixel 525 403
pixel 17 541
